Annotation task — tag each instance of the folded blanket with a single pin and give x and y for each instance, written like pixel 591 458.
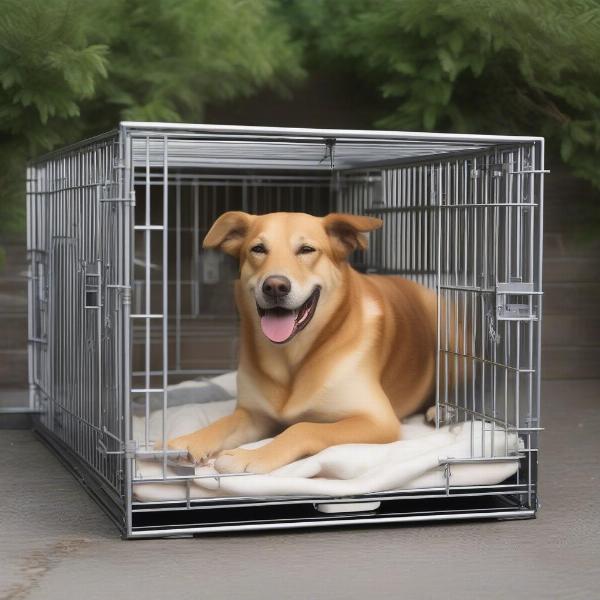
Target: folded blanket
pixel 345 470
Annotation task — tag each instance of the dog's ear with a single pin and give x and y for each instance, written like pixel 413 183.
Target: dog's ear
pixel 347 232
pixel 228 232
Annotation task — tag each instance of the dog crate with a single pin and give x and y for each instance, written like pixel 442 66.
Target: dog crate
pixel 123 302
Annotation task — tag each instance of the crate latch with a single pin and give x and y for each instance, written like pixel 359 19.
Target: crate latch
pixel 513 302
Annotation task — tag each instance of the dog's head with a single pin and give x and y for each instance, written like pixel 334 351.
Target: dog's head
pixel 290 263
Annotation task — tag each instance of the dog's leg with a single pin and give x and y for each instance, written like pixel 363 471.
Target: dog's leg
pixel 227 432
pixel 305 439
pixel 430 415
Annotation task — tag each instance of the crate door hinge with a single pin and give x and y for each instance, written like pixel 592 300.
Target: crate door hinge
pixel 129 449
pixel 117 199
pixel 513 301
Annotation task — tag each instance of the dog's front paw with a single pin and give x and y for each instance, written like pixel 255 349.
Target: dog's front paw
pixel 430 415
pixel 244 461
pixel 194 444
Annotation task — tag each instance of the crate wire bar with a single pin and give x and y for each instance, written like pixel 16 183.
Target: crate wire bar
pixel 123 302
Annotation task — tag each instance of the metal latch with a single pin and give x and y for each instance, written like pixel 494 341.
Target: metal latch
pixel 508 307
pixel 93 287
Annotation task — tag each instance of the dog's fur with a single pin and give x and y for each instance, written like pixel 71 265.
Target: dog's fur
pixel 364 361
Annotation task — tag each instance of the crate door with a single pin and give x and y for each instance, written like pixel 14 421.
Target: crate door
pixel 489 235
pixel 77 241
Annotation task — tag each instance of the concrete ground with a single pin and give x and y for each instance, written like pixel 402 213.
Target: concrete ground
pixel 56 543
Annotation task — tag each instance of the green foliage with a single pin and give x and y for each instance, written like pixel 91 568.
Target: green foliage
pixel 70 68
pixel 488 66
pixel 168 59
pixel 47 67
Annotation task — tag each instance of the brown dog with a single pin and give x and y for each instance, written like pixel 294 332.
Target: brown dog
pixel 328 355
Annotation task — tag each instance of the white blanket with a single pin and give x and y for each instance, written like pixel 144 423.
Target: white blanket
pixel 344 470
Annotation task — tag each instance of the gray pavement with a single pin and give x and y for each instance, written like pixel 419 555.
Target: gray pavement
pixel 55 543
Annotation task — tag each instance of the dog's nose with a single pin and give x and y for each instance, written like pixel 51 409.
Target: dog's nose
pixel 276 286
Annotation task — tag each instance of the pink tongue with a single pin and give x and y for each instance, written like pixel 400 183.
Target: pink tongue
pixel 277 327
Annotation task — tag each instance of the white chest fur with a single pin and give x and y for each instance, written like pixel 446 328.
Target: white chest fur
pixel 348 387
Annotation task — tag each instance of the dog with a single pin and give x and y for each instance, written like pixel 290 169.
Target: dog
pixel 327 355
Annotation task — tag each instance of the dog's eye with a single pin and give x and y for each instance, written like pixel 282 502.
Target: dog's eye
pixel 306 249
pixel 258 249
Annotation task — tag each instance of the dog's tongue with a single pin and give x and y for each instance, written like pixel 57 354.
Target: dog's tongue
pixel 278 326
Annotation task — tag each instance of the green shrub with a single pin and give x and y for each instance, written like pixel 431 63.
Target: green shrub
pixel 71 68
pixel 477 66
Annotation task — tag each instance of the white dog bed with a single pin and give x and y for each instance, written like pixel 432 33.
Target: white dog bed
pixel 344 470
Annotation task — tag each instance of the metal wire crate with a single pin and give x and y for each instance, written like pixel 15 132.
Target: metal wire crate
pixel 120 290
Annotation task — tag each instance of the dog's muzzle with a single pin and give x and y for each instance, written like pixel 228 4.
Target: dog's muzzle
pixel 280 324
